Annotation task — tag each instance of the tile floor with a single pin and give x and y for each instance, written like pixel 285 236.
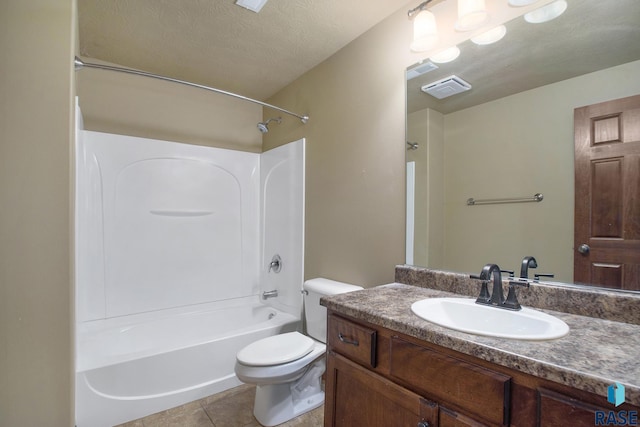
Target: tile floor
pixel 232 408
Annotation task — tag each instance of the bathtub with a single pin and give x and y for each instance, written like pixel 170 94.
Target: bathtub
pixel 132 366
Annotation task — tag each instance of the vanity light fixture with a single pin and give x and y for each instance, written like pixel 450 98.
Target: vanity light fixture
pixel 446 55
pixel 425 29
pixel 490 36
pixel 472 14
pixel 546 13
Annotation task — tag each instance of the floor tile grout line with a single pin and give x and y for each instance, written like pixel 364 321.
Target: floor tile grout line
pixel 206 412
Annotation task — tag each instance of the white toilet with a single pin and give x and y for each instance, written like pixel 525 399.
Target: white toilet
pixel 287 368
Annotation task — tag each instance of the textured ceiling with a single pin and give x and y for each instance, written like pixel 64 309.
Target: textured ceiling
pixel 591 35
pixel 217 43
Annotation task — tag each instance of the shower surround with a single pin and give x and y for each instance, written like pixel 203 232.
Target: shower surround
pixel 173 245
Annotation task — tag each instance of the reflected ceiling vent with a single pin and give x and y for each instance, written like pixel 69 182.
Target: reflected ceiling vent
pixel 421 69
pixel 446 87
pixel 252 5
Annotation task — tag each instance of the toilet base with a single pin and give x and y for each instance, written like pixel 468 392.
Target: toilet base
pixel 279 403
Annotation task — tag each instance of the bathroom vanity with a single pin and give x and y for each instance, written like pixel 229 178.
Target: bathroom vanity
pixel 387 367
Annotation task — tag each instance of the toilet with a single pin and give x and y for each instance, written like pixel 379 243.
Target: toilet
pixel 287 369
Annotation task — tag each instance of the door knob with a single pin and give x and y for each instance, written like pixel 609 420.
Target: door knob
pixel 584 249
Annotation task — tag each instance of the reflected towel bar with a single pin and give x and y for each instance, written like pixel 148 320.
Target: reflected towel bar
pixel 536 198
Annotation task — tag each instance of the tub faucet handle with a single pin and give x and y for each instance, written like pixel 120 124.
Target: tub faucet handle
pixel 275 264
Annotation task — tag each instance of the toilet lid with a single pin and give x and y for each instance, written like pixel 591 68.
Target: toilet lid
pixel 276 350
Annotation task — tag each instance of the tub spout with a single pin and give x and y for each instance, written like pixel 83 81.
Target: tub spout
pixel 270 294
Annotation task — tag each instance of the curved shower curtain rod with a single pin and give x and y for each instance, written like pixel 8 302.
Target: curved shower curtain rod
pixel 79 64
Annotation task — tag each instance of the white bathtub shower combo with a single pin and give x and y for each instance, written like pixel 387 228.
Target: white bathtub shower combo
pixel 173 248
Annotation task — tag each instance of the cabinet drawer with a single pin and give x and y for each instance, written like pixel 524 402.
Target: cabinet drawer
pixel 557 409
pixel 476 390
pixel 355 341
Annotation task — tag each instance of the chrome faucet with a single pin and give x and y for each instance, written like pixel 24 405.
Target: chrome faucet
pixel 275 264
pixel 270 294
pixel 527 263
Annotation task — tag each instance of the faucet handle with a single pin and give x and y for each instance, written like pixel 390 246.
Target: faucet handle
pixel 512 273
pixel 537 276
pixel 275 264
pixel 484 296
pixel 511 302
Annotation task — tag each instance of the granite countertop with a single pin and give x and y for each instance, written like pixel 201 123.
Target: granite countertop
pixel 595 354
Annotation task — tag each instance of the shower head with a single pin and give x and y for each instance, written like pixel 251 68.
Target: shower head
pixel 264 126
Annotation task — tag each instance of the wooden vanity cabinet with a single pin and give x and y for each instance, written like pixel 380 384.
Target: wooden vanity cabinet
pixel 380 378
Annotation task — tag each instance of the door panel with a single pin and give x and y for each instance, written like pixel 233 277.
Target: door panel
pixel 607 194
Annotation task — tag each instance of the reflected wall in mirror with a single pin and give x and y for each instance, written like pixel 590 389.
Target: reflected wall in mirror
pixel 511 135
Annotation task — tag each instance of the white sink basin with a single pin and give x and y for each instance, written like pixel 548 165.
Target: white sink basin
pixel 463 314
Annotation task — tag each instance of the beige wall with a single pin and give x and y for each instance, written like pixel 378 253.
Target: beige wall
pixel 36 83
pixel 355 188
pixel 126 104
pixel 518 146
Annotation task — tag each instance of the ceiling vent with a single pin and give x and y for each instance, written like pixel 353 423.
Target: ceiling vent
pixel 421 69
pixel 446 87
pixel 252 5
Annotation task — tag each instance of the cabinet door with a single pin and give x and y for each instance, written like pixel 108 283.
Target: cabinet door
pixel 449 418
pixel 555 409
pixel 358 397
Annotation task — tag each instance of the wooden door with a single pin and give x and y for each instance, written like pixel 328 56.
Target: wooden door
pixel 607 194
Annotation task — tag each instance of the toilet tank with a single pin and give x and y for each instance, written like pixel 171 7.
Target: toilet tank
pixel 316 314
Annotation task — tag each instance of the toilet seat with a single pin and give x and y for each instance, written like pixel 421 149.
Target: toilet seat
pixel 276 350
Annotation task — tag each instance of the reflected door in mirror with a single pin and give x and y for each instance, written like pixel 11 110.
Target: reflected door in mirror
pixel 607 194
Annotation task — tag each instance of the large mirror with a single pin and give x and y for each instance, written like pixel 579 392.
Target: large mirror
pixel 512 136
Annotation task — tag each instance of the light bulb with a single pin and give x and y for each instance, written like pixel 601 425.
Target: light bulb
pixel 490 36
pixel 519 3
pixel 546 13
pixel 472 14
pixel 425 31
pixel 446 55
